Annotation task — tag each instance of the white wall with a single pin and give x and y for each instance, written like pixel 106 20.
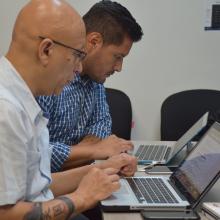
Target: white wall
pixel 175 54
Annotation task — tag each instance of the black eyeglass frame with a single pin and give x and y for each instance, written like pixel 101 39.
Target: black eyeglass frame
pixel 79 53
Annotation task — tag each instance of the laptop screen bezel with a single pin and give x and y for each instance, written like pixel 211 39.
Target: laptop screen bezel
pixel 203 120
pixel 194 202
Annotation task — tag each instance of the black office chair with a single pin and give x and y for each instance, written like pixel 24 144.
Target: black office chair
pixel 120 111
pixel 181 110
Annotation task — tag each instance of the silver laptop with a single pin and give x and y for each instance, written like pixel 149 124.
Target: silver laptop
pixel 163 152
pixel 182 190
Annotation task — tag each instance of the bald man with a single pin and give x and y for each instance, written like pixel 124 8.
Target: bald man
pixel 47 48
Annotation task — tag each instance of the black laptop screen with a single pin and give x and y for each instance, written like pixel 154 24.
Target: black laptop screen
pixel 201 167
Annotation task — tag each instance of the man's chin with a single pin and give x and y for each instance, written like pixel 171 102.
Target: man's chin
pixel 103 81
pixel 100 81
pixel 58 91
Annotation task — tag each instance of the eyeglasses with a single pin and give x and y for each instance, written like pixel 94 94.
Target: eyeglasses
pixel 79 53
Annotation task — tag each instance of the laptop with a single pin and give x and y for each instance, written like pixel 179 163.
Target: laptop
pixel 163 152
pixel 183 190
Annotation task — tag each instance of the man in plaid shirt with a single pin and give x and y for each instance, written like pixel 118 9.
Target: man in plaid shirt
pixel 79 119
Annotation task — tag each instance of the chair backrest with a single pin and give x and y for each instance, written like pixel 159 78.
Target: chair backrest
pixel 181 110
pixel 121 112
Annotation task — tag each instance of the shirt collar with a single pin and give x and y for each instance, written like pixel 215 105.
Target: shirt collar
pixel 19 88
pixel 83 79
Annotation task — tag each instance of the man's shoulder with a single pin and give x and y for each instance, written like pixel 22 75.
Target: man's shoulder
pixel 7 97
pixel 11 107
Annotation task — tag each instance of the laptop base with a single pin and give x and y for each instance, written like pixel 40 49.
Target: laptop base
pixel 164 215
pixel 138 209
pixel 163 170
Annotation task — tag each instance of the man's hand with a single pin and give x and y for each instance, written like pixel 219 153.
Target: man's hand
pixel 97 185
pixel 110 146
pixel 126 164
pixel 93 148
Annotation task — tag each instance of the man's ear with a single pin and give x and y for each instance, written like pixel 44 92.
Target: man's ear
pixel 45 50
pixel 94 40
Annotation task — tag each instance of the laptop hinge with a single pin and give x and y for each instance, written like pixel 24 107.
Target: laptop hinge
pixel 177 191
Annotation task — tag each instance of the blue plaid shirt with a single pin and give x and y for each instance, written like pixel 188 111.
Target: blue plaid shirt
pixel 80 110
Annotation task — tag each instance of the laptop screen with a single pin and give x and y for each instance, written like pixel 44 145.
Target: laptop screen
pixel 201 167
pixel 190 134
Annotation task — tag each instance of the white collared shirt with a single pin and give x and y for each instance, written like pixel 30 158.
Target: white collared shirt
pixel 24 141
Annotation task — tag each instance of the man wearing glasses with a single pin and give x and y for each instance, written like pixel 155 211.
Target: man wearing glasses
pixel 79 119
pixel 76 52
pixel 47 49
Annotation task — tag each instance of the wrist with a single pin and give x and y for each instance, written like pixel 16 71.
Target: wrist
pixel 82 201
pixel 78 202
pixel 99 151
pixel 82 151
pixel 69 206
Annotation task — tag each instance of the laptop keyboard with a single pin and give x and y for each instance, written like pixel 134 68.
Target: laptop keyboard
pixel 152 152
pixel 151 190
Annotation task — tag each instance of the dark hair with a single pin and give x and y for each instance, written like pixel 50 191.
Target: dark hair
pixel 113 21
